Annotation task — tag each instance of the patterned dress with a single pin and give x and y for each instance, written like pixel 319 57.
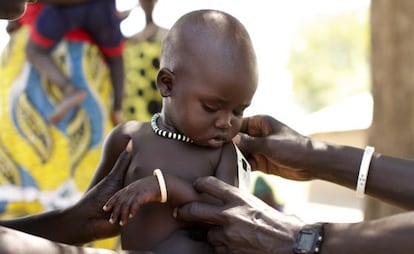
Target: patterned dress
pixel 42 166
pixel 142 61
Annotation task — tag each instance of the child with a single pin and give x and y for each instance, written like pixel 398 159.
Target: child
pixel 100 20
pixel 207 78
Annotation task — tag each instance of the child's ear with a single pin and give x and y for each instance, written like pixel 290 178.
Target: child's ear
pixel 165 82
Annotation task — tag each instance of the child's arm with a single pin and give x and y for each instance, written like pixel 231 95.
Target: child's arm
pixel 227 167
pixel 125 203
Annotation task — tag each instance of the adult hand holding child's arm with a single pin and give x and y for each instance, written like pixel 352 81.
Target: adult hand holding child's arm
pixel 244 223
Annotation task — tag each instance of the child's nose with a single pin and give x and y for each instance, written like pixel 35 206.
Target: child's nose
pixel 224 121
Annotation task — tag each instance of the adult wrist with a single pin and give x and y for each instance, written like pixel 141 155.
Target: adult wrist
pixel 82 231
pixel 312 157
pixel 334 163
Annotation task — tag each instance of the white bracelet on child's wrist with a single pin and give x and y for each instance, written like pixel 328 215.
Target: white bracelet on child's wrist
pixel 363 171
pixel 161 182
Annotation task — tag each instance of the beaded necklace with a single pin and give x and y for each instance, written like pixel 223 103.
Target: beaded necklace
pixel 167 134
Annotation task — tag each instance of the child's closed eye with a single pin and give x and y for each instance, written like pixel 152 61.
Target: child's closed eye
pixel 210 108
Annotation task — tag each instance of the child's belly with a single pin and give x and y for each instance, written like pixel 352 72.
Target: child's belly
pixel 182 241
pixel 154 229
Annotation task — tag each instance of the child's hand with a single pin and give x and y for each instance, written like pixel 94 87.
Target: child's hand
pixel 125 203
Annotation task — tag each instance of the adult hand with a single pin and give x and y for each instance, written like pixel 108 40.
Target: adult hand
pixel 12 26
pixel 92 202
pixel 272 147
pixel 82 222
pixel 116 117
pixel 243 224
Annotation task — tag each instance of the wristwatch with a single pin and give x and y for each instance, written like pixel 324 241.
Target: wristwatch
pixel 309 239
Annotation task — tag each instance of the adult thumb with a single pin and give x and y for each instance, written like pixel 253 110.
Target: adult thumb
pixel 117 174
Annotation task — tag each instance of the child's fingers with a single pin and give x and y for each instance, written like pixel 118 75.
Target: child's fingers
pixel 124 215
pixel 107 207
pixel 135 207
pixel 110 203
pixel 126 210
pixel 114 215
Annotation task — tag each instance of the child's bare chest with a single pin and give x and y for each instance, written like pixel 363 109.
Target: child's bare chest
pixel 186 160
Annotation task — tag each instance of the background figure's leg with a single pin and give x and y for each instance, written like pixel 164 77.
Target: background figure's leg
pixel 42 60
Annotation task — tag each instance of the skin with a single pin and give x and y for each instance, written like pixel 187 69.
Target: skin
pixel 274 148
pixel 92 222
pixel 42 233
pixel 151 31
pixel 36 245
pixel 40 57
pixel 302 158
pixel 387 235
pixel 206 80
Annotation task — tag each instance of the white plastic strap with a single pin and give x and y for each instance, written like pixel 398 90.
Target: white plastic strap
pixel 163 187
pixel 363 171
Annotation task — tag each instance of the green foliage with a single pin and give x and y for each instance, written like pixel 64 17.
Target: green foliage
pixel 329 59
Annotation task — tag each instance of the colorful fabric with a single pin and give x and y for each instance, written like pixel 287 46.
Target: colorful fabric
pixel 42 166
pixel 142 62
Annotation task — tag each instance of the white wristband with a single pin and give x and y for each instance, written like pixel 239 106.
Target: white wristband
pixel 363 171
pixel 161 182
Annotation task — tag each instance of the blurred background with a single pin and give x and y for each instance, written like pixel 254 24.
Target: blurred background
pixel 322 65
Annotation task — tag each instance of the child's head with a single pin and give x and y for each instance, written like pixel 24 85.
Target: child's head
pixel 208 76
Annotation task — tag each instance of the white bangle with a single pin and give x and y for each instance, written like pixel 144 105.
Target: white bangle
pixel 161 182
pixel 363 171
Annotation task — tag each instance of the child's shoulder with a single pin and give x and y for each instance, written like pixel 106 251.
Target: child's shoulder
pixel 132 123
pixel 128 128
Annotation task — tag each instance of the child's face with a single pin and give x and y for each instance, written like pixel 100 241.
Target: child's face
pixel 208 101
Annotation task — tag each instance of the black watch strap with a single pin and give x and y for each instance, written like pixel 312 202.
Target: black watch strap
pixel 309 239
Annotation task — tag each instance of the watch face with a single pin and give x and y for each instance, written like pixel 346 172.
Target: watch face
pixel 309 239
pixel 306 241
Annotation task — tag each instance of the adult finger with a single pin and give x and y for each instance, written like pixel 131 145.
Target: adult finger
pixel 110 184
pixel 121 163
pixel 256 126
pixel 217 239
pixel 222 249
pixel 245 124
pixel 215 187
pixel 200 212
pixel 216 236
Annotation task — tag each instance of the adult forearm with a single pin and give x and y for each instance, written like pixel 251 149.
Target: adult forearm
pixel 388 235
pixel 333 163
pixel 13 241
pixel 275 148
pixel 340 165
pixel 57 225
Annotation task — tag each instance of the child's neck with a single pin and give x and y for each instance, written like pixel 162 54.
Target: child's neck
pixel 167 133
